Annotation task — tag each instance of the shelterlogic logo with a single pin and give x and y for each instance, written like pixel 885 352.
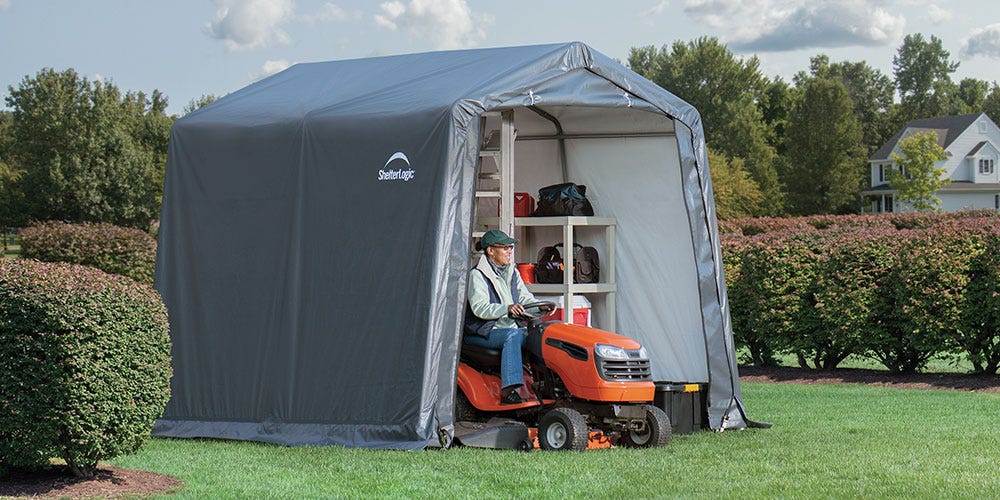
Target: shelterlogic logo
pixel 401 174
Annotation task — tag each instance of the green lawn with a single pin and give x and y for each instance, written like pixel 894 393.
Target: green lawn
pixel 840 441
pixel 13 246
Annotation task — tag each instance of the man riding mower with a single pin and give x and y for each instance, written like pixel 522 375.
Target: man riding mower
pixel 577 379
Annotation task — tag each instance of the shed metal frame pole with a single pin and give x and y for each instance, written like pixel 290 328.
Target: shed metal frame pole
pixel 507 136
pixel 560 135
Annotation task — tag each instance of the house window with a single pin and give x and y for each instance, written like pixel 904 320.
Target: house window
pixel 881 172
pixel 986 166
pixel 905 173
pixel 888 204
pixel 996 201
pixel 982 127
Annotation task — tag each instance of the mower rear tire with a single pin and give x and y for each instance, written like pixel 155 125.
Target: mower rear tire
pixel 563 429
pixel 656 433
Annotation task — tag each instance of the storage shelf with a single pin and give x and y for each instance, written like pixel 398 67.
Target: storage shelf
pixel 606 287
pixel 564 221
pixel 560 288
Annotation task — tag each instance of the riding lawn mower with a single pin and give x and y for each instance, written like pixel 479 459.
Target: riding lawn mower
pixel 584 387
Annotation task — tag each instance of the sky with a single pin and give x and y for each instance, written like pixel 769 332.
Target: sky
pixel 190 48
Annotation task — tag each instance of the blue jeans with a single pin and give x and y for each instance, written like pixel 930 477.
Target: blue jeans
pixel 509 340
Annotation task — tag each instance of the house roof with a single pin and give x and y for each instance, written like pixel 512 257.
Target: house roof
pixel 976 149
pixel 953 186
pixel 948 128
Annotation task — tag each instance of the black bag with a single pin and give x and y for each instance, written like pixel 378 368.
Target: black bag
pixel 563 199
pixel 549 267
pixel 586 265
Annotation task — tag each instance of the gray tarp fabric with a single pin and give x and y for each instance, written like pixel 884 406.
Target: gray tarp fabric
pixel 316 229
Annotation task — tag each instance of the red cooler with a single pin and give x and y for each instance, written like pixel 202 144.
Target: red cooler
pixel 524 204
pixel 527 272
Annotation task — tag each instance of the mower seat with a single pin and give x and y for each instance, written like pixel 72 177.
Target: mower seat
pixel 480 357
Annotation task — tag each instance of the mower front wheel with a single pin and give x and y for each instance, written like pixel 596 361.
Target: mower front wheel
pixel 656 433
pixel 563 429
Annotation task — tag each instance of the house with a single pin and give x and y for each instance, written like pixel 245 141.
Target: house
pixel 972 143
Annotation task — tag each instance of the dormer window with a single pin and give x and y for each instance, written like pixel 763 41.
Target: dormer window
pixel 986 166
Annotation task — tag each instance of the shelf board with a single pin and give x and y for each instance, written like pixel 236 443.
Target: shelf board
pixel 559 288
pixel 563 221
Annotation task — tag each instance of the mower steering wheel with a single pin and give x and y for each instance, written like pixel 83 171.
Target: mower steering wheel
pixel 540 307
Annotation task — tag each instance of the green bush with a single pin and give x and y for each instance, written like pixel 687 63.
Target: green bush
pixel 900 289
pixel 837 316
pixel 84 364
pixel 767 299
pixel 919 303
pixel 980 327
pixel 117 250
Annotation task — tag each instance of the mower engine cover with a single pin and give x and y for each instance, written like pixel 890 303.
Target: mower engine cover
pixel 594 364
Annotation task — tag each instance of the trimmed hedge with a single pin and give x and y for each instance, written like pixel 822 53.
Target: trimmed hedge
pixel 117 250
pixel 84 364
pixel 898 289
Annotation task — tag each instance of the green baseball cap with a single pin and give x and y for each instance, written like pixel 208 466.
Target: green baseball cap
pixel 495 237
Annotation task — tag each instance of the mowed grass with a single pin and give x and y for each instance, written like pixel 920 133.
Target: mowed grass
pixel 828 441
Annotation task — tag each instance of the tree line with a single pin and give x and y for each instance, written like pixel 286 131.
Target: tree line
pixel 801 147
pixel 77 150
pixel 80 150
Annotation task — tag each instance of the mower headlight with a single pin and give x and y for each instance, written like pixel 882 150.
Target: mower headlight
pixel 642 353
pixel 610 352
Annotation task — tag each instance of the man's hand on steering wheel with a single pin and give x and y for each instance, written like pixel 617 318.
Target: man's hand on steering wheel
pixel 521 311
pixel 515 310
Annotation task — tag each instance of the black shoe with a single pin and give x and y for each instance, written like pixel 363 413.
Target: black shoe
pixel 511 397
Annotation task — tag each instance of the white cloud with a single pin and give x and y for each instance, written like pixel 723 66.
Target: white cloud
pixel 247 24
pixel 4 4
pixel 937 15
pixel 656 9
pixel 728 13
pixel 983 42
pixel 779 25
pixel 329 12
pixel 271 67
pixel 448 24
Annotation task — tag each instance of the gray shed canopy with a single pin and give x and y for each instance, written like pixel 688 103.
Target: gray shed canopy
pixel 314 301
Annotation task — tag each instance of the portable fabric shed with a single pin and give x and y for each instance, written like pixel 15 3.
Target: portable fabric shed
pixel 315 300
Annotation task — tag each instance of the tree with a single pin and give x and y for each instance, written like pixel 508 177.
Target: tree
pixel 972 92
pixel 726 91
pixel 871 91
pixel 991 104
pixel 199 103
pixel 736 194
pixel 83 151
pixel 917 179
pixel 775 106
pixel 824 157
pixel 923 78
